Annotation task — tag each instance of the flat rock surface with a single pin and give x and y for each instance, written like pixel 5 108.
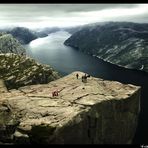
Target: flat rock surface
pixel 34 105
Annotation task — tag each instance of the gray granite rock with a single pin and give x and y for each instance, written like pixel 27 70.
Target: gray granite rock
pixel 95 112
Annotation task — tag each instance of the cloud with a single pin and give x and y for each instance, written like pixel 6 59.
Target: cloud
pixel 42 15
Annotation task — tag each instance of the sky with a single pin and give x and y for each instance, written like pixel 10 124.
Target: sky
pixel 67 15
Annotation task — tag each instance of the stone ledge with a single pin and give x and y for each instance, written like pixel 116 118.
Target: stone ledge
pixel 98 111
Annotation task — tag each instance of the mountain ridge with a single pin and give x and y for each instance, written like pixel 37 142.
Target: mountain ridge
pixel 120 43
pixel 16 69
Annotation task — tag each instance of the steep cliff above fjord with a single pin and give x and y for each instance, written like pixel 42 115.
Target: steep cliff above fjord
pixel 8 44
pixel 121 43
pixel 96 112
pixel 17 70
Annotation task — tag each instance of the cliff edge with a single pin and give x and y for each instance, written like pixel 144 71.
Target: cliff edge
pixel 17 71
pixel 95 112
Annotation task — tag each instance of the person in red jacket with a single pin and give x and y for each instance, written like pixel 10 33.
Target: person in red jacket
pixel 55 93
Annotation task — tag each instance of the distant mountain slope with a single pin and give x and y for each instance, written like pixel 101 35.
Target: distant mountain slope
pixel 121 43
pixel 48 30
pixel 8 44
pixel 72 30
pixel 17 71
pixel 75 29
pixel 40 34
pixel 22 34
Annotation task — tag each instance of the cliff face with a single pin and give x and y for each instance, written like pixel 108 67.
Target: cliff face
pixel 99 111
pixel 8 44
pixel 17 70
pixel 121 43
pixel 23 35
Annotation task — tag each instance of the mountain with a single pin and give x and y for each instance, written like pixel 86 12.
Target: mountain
pixel 17 70
pixel 95 112
pixel 40 34
pixel 75 29
pixel 8 44
pixel 22 34
pixel 121 43
pixel 72 30
pixel 48 30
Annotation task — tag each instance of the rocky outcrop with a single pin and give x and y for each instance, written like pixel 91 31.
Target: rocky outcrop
pixel 19 70
pixel 121 43
pixel 95 112
pixel 8 44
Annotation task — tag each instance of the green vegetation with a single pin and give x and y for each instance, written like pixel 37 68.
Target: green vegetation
pixel 121 43
pixel 19 71
pixel 8 44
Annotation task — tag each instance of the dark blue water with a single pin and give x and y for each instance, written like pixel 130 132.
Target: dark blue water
pixel 51 50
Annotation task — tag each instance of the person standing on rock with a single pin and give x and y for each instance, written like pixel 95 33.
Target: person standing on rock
pixel 77 75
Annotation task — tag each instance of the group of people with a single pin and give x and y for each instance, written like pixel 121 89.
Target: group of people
pixel 84 79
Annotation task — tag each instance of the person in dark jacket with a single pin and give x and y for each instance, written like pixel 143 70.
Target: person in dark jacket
pixel 77 75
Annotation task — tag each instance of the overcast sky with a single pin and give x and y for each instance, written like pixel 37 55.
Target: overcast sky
pixel 63 15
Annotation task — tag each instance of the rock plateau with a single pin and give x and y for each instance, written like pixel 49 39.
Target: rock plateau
pixel 95 112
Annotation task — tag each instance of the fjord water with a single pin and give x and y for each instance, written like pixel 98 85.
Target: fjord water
pixel 50 50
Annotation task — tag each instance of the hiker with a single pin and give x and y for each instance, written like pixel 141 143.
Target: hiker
pixel 84 78
pixel 55 93
pixel 77 75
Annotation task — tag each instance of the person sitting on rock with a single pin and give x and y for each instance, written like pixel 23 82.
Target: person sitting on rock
pixel 84 78
pixel 55 93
